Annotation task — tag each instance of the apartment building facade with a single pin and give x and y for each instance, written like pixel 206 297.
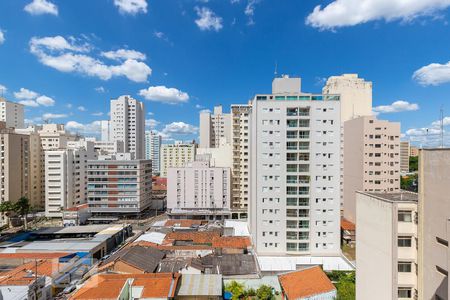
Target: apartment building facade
pixel 434 224
pixel 127 124
pixel 295 168
pixel 119 186
pixel 153 150
pixel 214 127
pixel 386 245
pixel 54 136
pixel 176 156
pixel 405 150
pixel 372 159
pixel 11 113
pixel 199 190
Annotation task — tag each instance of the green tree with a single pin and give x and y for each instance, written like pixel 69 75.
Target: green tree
pixel 22 207
pixel 236 289
pixel 345 290
pixel 264 292
pixel 413 163
pixel 250 292
pixel 7 208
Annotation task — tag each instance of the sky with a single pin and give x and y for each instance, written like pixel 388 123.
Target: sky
pixel 66 59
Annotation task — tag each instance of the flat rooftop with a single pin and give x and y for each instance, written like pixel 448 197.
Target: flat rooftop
pixel 403 196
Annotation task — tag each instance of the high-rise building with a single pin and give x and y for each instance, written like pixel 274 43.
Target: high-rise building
pixel 434 223
pixel 240 185
pixel 14 166
pixel 221 156
pixel 54 136
pixel 404 156
pixel 176 156
pixel 105 130
pixel 199 190
pixel 153 150
pixel 386 246
pixel 119 185
pixel 295 168
pixel 371 159
pixel 11 113
pixel 65 177
pixel 214 127
pixel 128 124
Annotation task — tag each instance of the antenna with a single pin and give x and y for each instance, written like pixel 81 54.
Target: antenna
pixel 442 126
pixel 275 73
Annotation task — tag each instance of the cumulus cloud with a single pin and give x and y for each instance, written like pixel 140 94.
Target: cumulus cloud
pixel 97 114
pixel 250 11
pixel 131 7
pixel 207 19
pixel 70 56
pixel 81 108
pixel 397 106
pixel 40 7
pixel 433 74
pixel 48 116
pixel 179 128
pixel 164 94
pixel 124 54
pixel 33 99
pixel 341 13
pixel 2 36
pixel 89 128
pixel 430 135
pixel 152 123
pixel 100 89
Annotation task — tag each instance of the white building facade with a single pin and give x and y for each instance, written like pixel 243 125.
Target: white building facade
pixel 214 127
pixel 11 113
pixel 153 150
pixel 176 156
pixel 128 124
pixel 295 168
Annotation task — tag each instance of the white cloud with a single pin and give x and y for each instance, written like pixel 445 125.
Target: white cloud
pixel 179 128
pixel 100 89
pixel 397 106
pixel 62 55
pixel 2 36
pixel 207 19
pixel 90 128
pixel 340 13
pixel 124 54
pixel 97 114
pixel 198 106
pixel 25 94
pixel 250 11
pixel 69 105
pixel 131 7
pixel 152 123
pixel 30 103
pixel 3 89
pixel 433 74
pixel 81 108
pixel 49 116
pixel 40 7
pixel 150 113
pixel 158 34
pixel 164 94
pixel 45 101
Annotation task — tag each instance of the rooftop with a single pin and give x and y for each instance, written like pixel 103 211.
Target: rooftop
pixel 347 225
pixel 142 258
pixel 25 274
pixel 306 283
pixel 402 196
pixel 200 285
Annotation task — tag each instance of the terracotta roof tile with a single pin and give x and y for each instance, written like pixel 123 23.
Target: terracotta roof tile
pixel 21 274
pixel 32 255
pixel 182 223
pixel 347 225
pixel 305 283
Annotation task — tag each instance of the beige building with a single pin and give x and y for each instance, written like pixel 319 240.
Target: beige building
pixel 54 136
pixel 14 166
pixel 176 155
pixel 11 113
pixel 405 151
pixel 386 245
pixel 214 127
pixel 434 224
pixel 221 156
pixel 372 159
pixel 240 186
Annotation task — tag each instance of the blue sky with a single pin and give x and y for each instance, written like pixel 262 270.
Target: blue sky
pixel 66 59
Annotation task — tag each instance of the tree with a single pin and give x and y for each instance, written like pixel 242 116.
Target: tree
pixel 23 207
pixel 236 289
pixel 264 292
pixel 413 163
pixel 7 208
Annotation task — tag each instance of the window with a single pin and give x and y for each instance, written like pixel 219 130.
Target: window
pixel 404 241
pixel 404 292
pixel 404 216
pixel 404 266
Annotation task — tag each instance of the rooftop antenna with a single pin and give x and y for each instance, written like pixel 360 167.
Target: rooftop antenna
pixel 275 73
pixel 442 126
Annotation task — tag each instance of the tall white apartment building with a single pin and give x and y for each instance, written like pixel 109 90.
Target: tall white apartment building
pixel 295 168
pixel 54 136
pixel 65 177
pixel 404 156
pixel 128 124
pixel 119 185
pixel 386 246
pixel 199 190
pixel 105 131
pixel 372 159
pixel 214 127
pixel 240 185
pixel 11 113
pixel 153 150
pixel 176 156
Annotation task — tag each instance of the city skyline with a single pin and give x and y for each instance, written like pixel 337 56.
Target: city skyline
pixel 72 63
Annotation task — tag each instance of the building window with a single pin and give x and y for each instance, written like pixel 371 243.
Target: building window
pixel 404 267
pixel 404 216
pixel 404 292
pixel 404 241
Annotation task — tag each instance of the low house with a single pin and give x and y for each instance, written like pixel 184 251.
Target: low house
pixel 311 284
pixel 198 287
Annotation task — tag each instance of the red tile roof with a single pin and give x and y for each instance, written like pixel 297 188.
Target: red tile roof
pixel 347 225
pixel 32 255
pixel 21 274
pixel 305 283
pixel 109 286
pixel 78 207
